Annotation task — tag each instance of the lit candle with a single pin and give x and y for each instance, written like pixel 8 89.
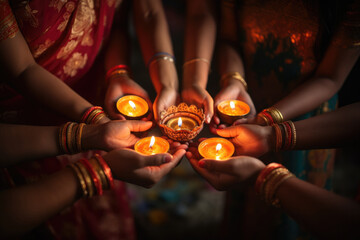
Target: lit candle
pixel 152 145
pixel 132 107
pixel 182 123
pixel 231 110
pixel 216 148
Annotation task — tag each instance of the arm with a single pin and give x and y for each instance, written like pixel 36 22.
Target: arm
pixel 334 129
pixel 22 72
pixel 200 32
pixel 323 213
pixel 154 37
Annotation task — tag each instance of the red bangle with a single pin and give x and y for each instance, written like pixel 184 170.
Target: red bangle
pixel 262 175
pixel 96 115
pixel 269 117
pixel 120 66
pixel 94 177
pixel 106 169
pixel 289 140
pixel 64 135
pixel 87 113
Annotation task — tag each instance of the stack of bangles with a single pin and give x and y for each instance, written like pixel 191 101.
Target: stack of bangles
pixel 160 56
pixel 269 181
pixel 93 115
pixel 118 70
pixel 94 175
pixel 271 116
pixel 285 136
pixel 70 137
pixel 233 75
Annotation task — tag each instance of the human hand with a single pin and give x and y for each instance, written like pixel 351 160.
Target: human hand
pixel 166 98
pixel 227 174
pixel 113 134
pixel 118 87
pixel 201 98
pixel 249 139
pixel 132 167
pixel 233 91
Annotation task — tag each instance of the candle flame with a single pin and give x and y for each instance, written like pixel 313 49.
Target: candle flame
pixel 132 104
pixel 232 105
pixel 152 141
pixel 218 147
pixel 179 122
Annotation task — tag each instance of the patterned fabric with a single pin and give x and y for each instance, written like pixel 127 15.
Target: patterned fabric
pixel 278 41
pixel 64 37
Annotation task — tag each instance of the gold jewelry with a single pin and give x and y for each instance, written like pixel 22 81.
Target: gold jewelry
pixel 233 75
pixel 161 57
pixel 89 184
pixel 196 60
pixel 276 114
pixel 80 178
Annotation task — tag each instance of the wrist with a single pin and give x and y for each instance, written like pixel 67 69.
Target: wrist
pixel 90 137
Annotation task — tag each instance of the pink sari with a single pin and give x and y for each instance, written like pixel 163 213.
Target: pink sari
pixel 65 37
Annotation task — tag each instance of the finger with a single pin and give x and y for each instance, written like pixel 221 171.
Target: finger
pixel 209 176
pixel 240 121
pixel 157 159
pixel 138 126
pixel 232 131
pixel 209 109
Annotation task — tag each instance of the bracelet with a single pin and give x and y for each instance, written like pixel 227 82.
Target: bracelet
pixel 233 75
pixel 269 180
pixel 105 167
pixel 81 179
pixel 275 113
pixel 88 182
pixel 95 177
pixel 70 135
pixel 160 56
pixel 120 67
pixel 93 115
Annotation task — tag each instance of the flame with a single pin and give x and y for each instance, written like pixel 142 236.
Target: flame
pixel 132 104
pixel 232 105
pixel 152 141
pixel 218 147
pixel 179 122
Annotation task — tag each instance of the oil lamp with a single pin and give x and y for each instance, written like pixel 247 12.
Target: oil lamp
pixel 216 148
pixel 152 145
pixel 182 123
pixel 132 107
pixel 231 110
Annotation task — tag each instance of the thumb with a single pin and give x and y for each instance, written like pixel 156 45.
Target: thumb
pixel 157 159
pixel 138 126
pixel 209 109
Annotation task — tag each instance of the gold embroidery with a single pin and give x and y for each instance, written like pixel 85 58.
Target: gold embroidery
pixel 8 25
pixel 76 62
pixel 37 51
pixel 65 51
pixel 70 6
pixel 84 19
pixel 57 4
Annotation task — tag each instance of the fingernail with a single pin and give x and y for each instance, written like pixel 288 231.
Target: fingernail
pixel 167 159
pixel 201 164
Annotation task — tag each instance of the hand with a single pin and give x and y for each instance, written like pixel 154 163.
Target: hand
pixel 166 98
pixel 118 87
pixel 114 134
pixel 234 172
pixel 132 167
pixel 249 139
pixel 233 91
pixel 201 98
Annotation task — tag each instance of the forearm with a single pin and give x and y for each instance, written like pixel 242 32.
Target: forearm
pixel 20 142
pixel 200 33
pixel 154 37
pixel 23 208
pixel 321 212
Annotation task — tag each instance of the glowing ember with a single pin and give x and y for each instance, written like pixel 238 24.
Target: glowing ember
pixel 152 141
pixel 132 104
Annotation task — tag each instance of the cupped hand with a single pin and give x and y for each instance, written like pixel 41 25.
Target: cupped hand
pixel 132 167
pixel 249 139
pixel 201 98
pixel 235 172
pixel 113 134
pixel 118 87
pixel 165 98
pixel 234 91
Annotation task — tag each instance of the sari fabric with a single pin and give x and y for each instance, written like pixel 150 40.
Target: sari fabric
pixel 64 37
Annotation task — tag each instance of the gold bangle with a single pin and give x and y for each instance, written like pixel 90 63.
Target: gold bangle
pixel 79 136
pixel 80 178
pixel 293 140
pixel 276 114
pixel 119 72
pixel 104 182
pixel 162 57
pixel 279 139
pixel 196 60
pixel 89 184
pixel 233 75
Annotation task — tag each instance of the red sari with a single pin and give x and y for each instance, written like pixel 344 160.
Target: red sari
pixel 64 37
